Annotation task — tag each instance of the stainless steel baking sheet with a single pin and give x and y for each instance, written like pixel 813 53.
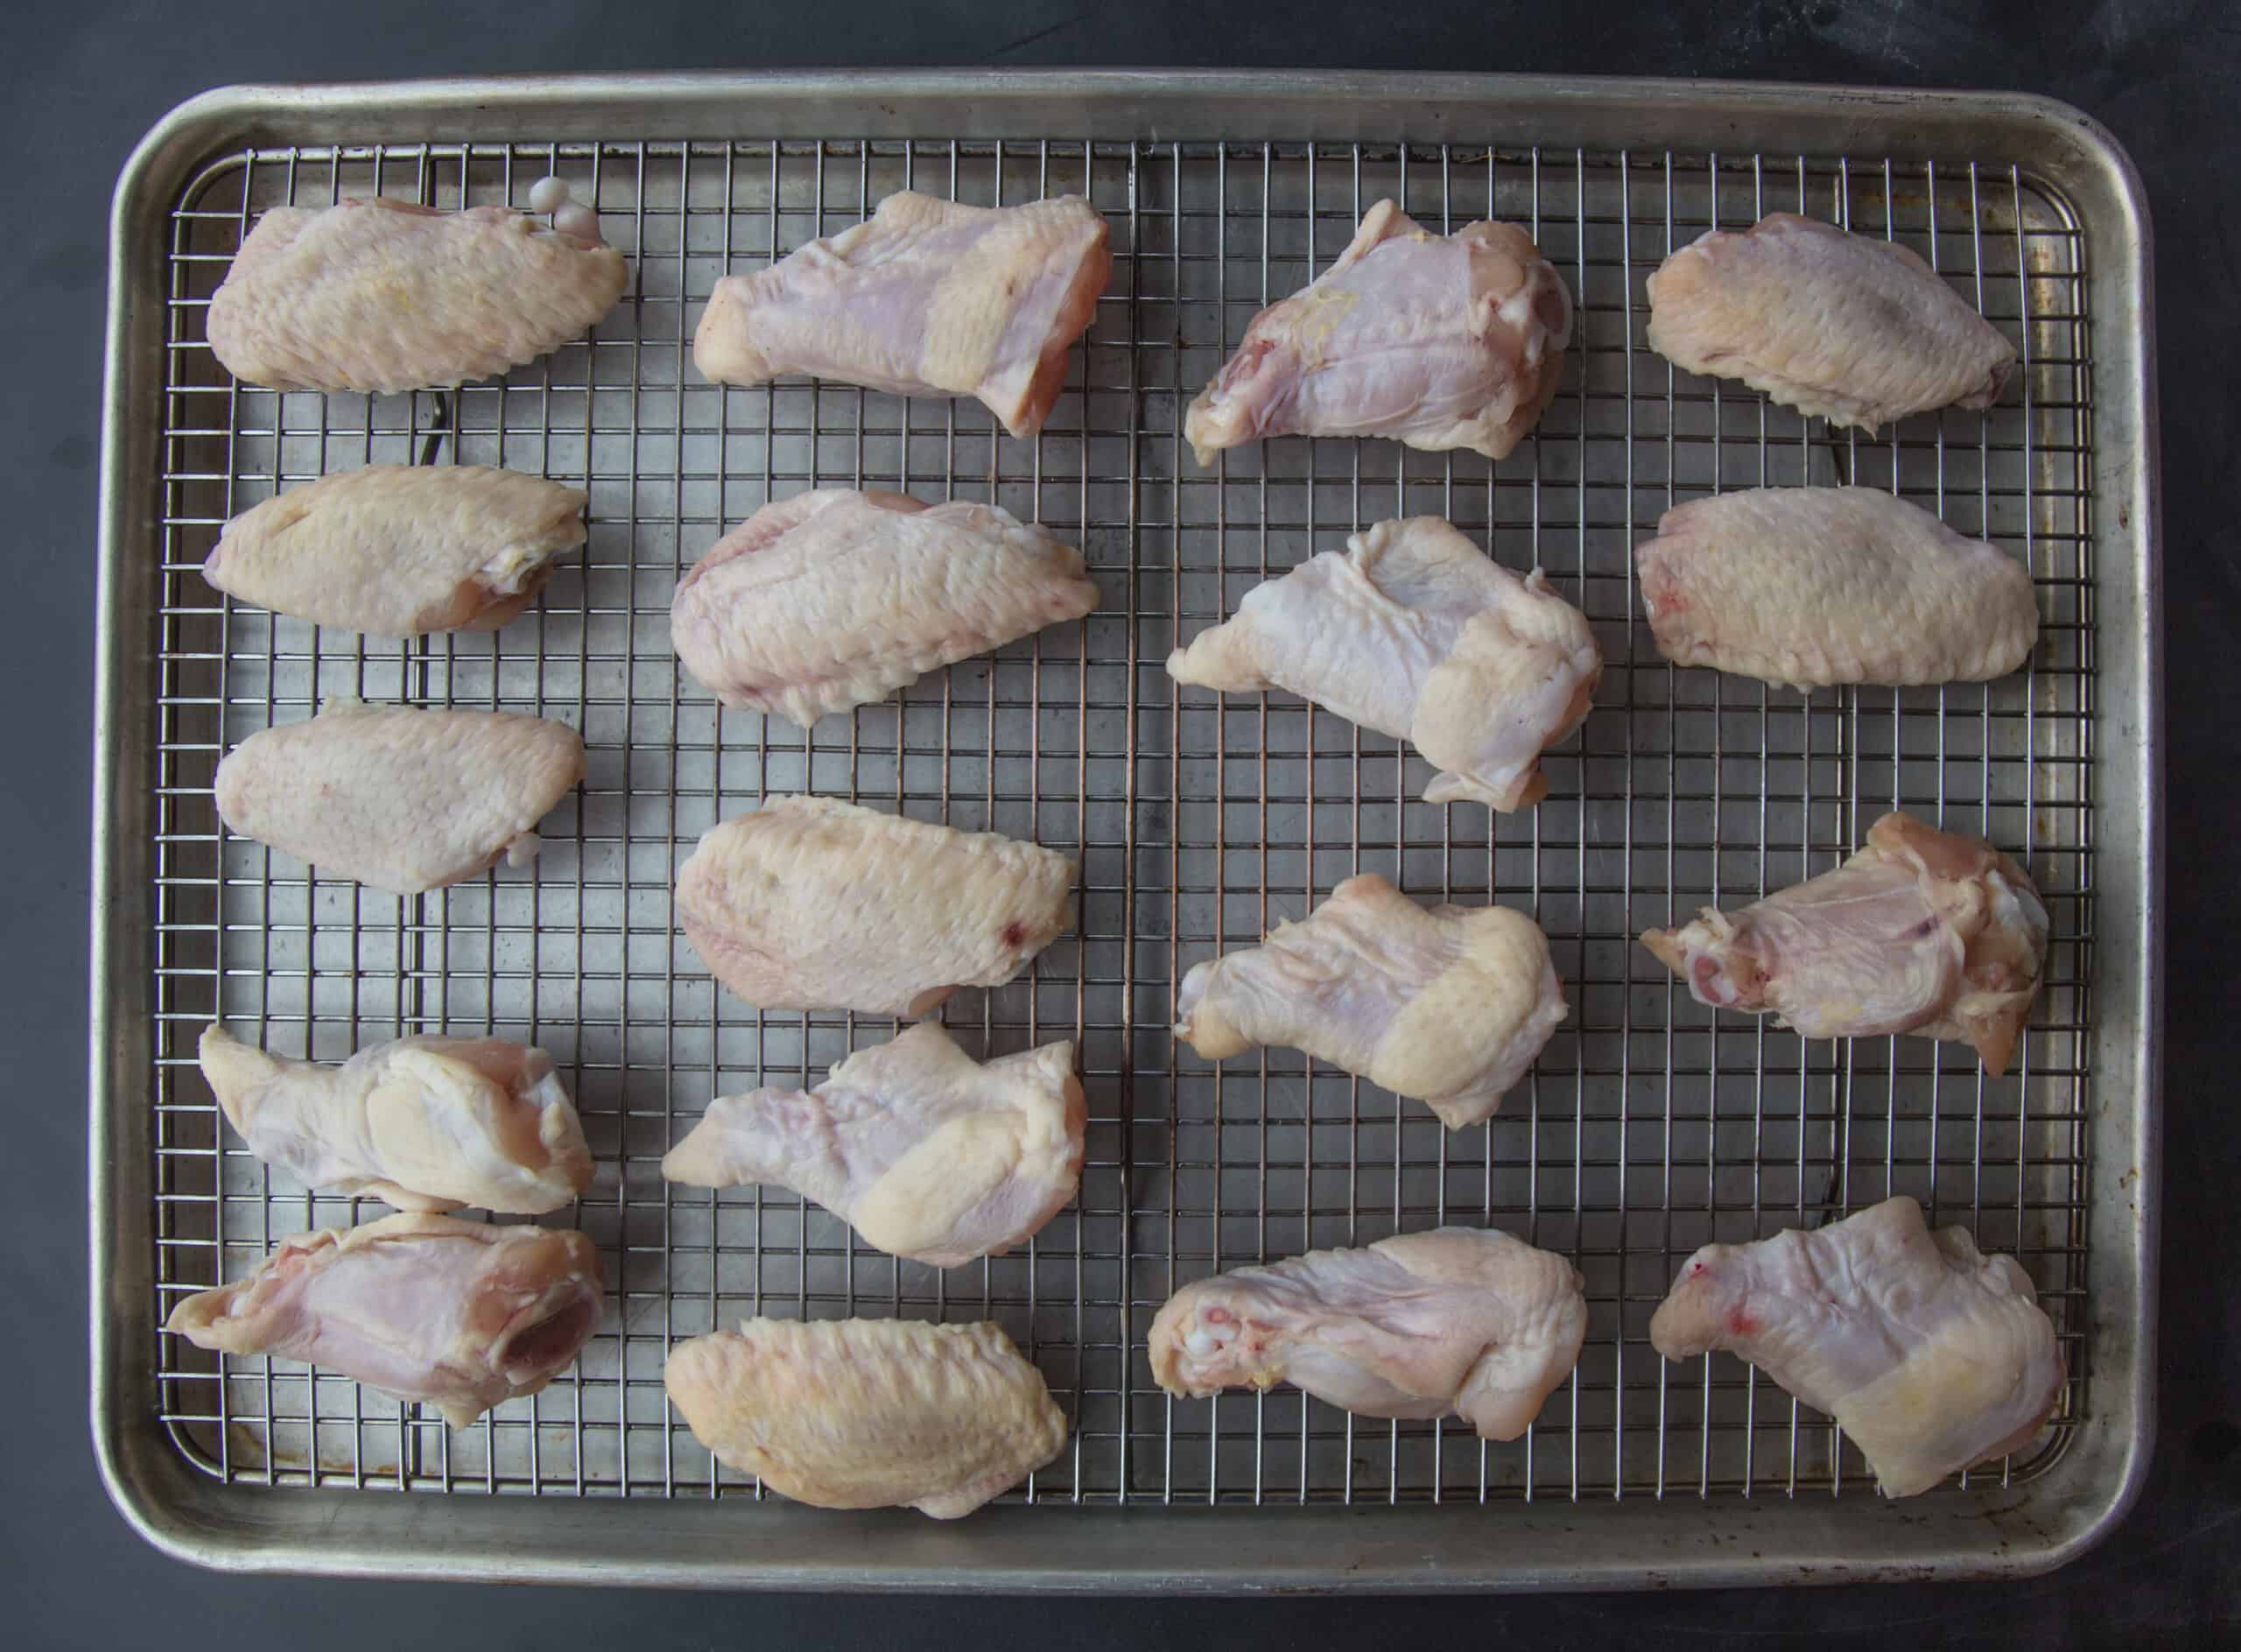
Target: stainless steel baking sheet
pixel 1648 1128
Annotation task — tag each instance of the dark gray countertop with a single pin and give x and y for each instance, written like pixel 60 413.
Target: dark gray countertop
pixel 89 79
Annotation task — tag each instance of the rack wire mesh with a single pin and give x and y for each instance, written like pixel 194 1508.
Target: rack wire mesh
pixel 1648 1127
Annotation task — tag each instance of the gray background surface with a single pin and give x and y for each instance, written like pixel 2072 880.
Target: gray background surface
pixel 89 79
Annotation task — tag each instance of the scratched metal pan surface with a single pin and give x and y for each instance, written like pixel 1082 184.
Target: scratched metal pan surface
pixel 1649 1126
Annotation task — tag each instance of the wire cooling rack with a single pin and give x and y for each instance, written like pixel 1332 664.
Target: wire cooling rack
pixel 1647 1127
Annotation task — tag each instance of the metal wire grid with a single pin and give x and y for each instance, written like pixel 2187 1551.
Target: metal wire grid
pixel 1647 1127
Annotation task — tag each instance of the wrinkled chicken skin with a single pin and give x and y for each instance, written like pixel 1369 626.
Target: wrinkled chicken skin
pixel 927 298
pixel 1439 341
pixel 1449 1006
pixel 930 1155
pixel 1414 632
pixel 386 296
pixel 1858 331
pixel 401 550
pixel 1806 587
pixel 868 1413
pixel 1929 932
pixel 426 1123
pixel 1929 1354
pixel 836 599
pixel 428 1308
pixel 1416 1326
pixel 810 903
pixel 403 799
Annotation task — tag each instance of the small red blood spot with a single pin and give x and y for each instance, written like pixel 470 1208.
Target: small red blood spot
pixel 1014 934
pixel 1740 1323
pixel 1217 1315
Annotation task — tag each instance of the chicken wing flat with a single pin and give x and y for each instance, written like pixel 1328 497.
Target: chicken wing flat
pixel 1931 1355
pixel 1439 341
pixel 429 1309
pixel 401 550
pixel 927 298
pixel 404 799
pixel 869 1413
pixel 1934 933
pixel 929 1153
pixel 810 904
pixel 1414 632
pixel 1449 1006
pixel 1805 587
pixel 1457 1319
pixel 426 1123
pixel 386 296
pixel 835 599
pixel 1858 331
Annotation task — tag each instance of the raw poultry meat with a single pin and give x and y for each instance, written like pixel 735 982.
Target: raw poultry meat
pixel 835 599
pixel 1804 587
pixel 386 296
pixel 1929 1354
pixel 926 1152
pixel 868 1413
pixel 1439 341
pixel 810 904
pixel 401 550
pixel 1457 1319
pixel 1449 1006
pixel 1415 632
pixel 404 799
pixel 450 1313
pixel 927 298
pixel 1935 933
pixel 1858 331
pixel 426 1123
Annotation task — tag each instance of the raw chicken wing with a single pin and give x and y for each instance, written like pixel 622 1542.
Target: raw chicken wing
pixel 835 599
pixel 403 799
pixel 1415 632
pixel 1930 932
pixel 808 904
pixel 868 1413
pixel 1804 587
pixel 386 296
pixel 1931 1355
pixel 1449 1006
pixel 1858 331
pixel 1418 1325
pixel 930 1155
pixel 401 550
pixel 928 297
pixel 1438 342
pixel 449 1313
pixel 426 1123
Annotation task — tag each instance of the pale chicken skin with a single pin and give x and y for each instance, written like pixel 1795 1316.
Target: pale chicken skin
pixel 1449 1006
pixel 868 1413
pixel 425 1123
pixel 403 799
pixel 835 599
pixel 926 298
pixel 1414 632
pixel 401 550
pixel 1439 341
pixel 1855 330
pixel 1929 1354
pixel 428 1308
pixel 810 903
pixel 1416 1327
pixel 387 296
pixel 1929 932
pixel 929 1153
pixel 1807 587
